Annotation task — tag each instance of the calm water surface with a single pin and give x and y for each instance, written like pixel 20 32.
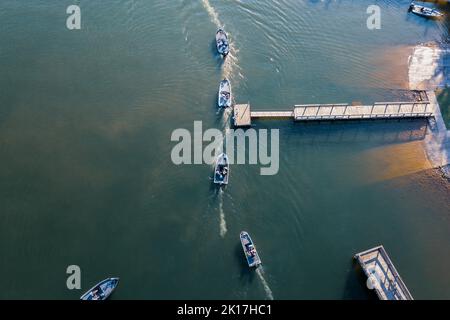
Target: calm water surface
pixel 86 177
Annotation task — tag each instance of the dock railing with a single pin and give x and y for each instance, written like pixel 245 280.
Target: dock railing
pixel 390 285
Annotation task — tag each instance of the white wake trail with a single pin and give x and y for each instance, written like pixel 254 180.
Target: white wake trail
pixel 223 223
pixel 212 13
pixel 260 273
pixel 231 62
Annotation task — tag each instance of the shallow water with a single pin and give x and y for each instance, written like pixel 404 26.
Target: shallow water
pixel 86 177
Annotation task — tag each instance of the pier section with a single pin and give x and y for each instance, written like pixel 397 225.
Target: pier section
pixel 378 110
pixel 340 111
pixel 382 275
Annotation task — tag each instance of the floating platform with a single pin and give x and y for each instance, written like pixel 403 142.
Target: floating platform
pixel 241 115
pixel 341 111
pixel 382 274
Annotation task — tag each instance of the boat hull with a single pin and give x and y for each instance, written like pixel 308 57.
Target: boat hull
pixel 102 290
pixel 222 44
pixel 425 12
pixel 221 170
pixel 250 252
pixel 224 97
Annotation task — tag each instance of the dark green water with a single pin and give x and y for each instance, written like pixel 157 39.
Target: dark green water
pixel 86 176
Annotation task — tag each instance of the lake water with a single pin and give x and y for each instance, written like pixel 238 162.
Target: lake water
pixel 86 176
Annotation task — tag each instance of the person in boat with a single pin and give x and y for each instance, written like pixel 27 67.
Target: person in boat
pixel 251 250
pixel 95 294
pixel 220 172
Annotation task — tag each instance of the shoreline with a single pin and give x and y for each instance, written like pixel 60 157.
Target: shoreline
pixel 437 142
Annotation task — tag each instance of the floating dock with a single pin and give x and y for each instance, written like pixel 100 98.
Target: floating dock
pixel 382 274
pixel 340 111
pixel 241 115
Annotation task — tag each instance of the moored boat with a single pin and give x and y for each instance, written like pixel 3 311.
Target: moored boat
pixel 222 169
pixel 250 252
pixel 222 44
pixel 224 98
pixel 425 11
pixel 102 290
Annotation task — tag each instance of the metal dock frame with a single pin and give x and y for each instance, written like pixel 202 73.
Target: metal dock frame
pixel 390 285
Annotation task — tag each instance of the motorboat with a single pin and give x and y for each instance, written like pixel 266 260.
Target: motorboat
pixel 222 170
pixel 224 98
pixel 102 290
pixel 222 44
pixel 250 252
pixel 425 11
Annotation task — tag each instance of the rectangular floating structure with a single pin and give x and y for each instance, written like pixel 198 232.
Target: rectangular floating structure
pixel 379 110
pixel 338 111
pixel 388 284
pixel 241 115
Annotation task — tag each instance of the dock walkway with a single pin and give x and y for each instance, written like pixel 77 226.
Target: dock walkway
pixel 378 110
pixel 379 268
pixel 340 111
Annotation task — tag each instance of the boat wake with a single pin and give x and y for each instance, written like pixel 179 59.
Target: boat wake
pixel 230 62
pixel 225 121
pixel 230 65
pixel 212 13
pixel 223 223
pixel 260 273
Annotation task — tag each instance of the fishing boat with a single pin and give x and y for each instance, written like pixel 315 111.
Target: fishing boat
pixel 102 290
pixel 425 11
pixel 250 252
pixel 222 169
pixel 224 98
pixel 222 42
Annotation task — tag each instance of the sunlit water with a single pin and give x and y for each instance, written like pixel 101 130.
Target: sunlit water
pixel 86 176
